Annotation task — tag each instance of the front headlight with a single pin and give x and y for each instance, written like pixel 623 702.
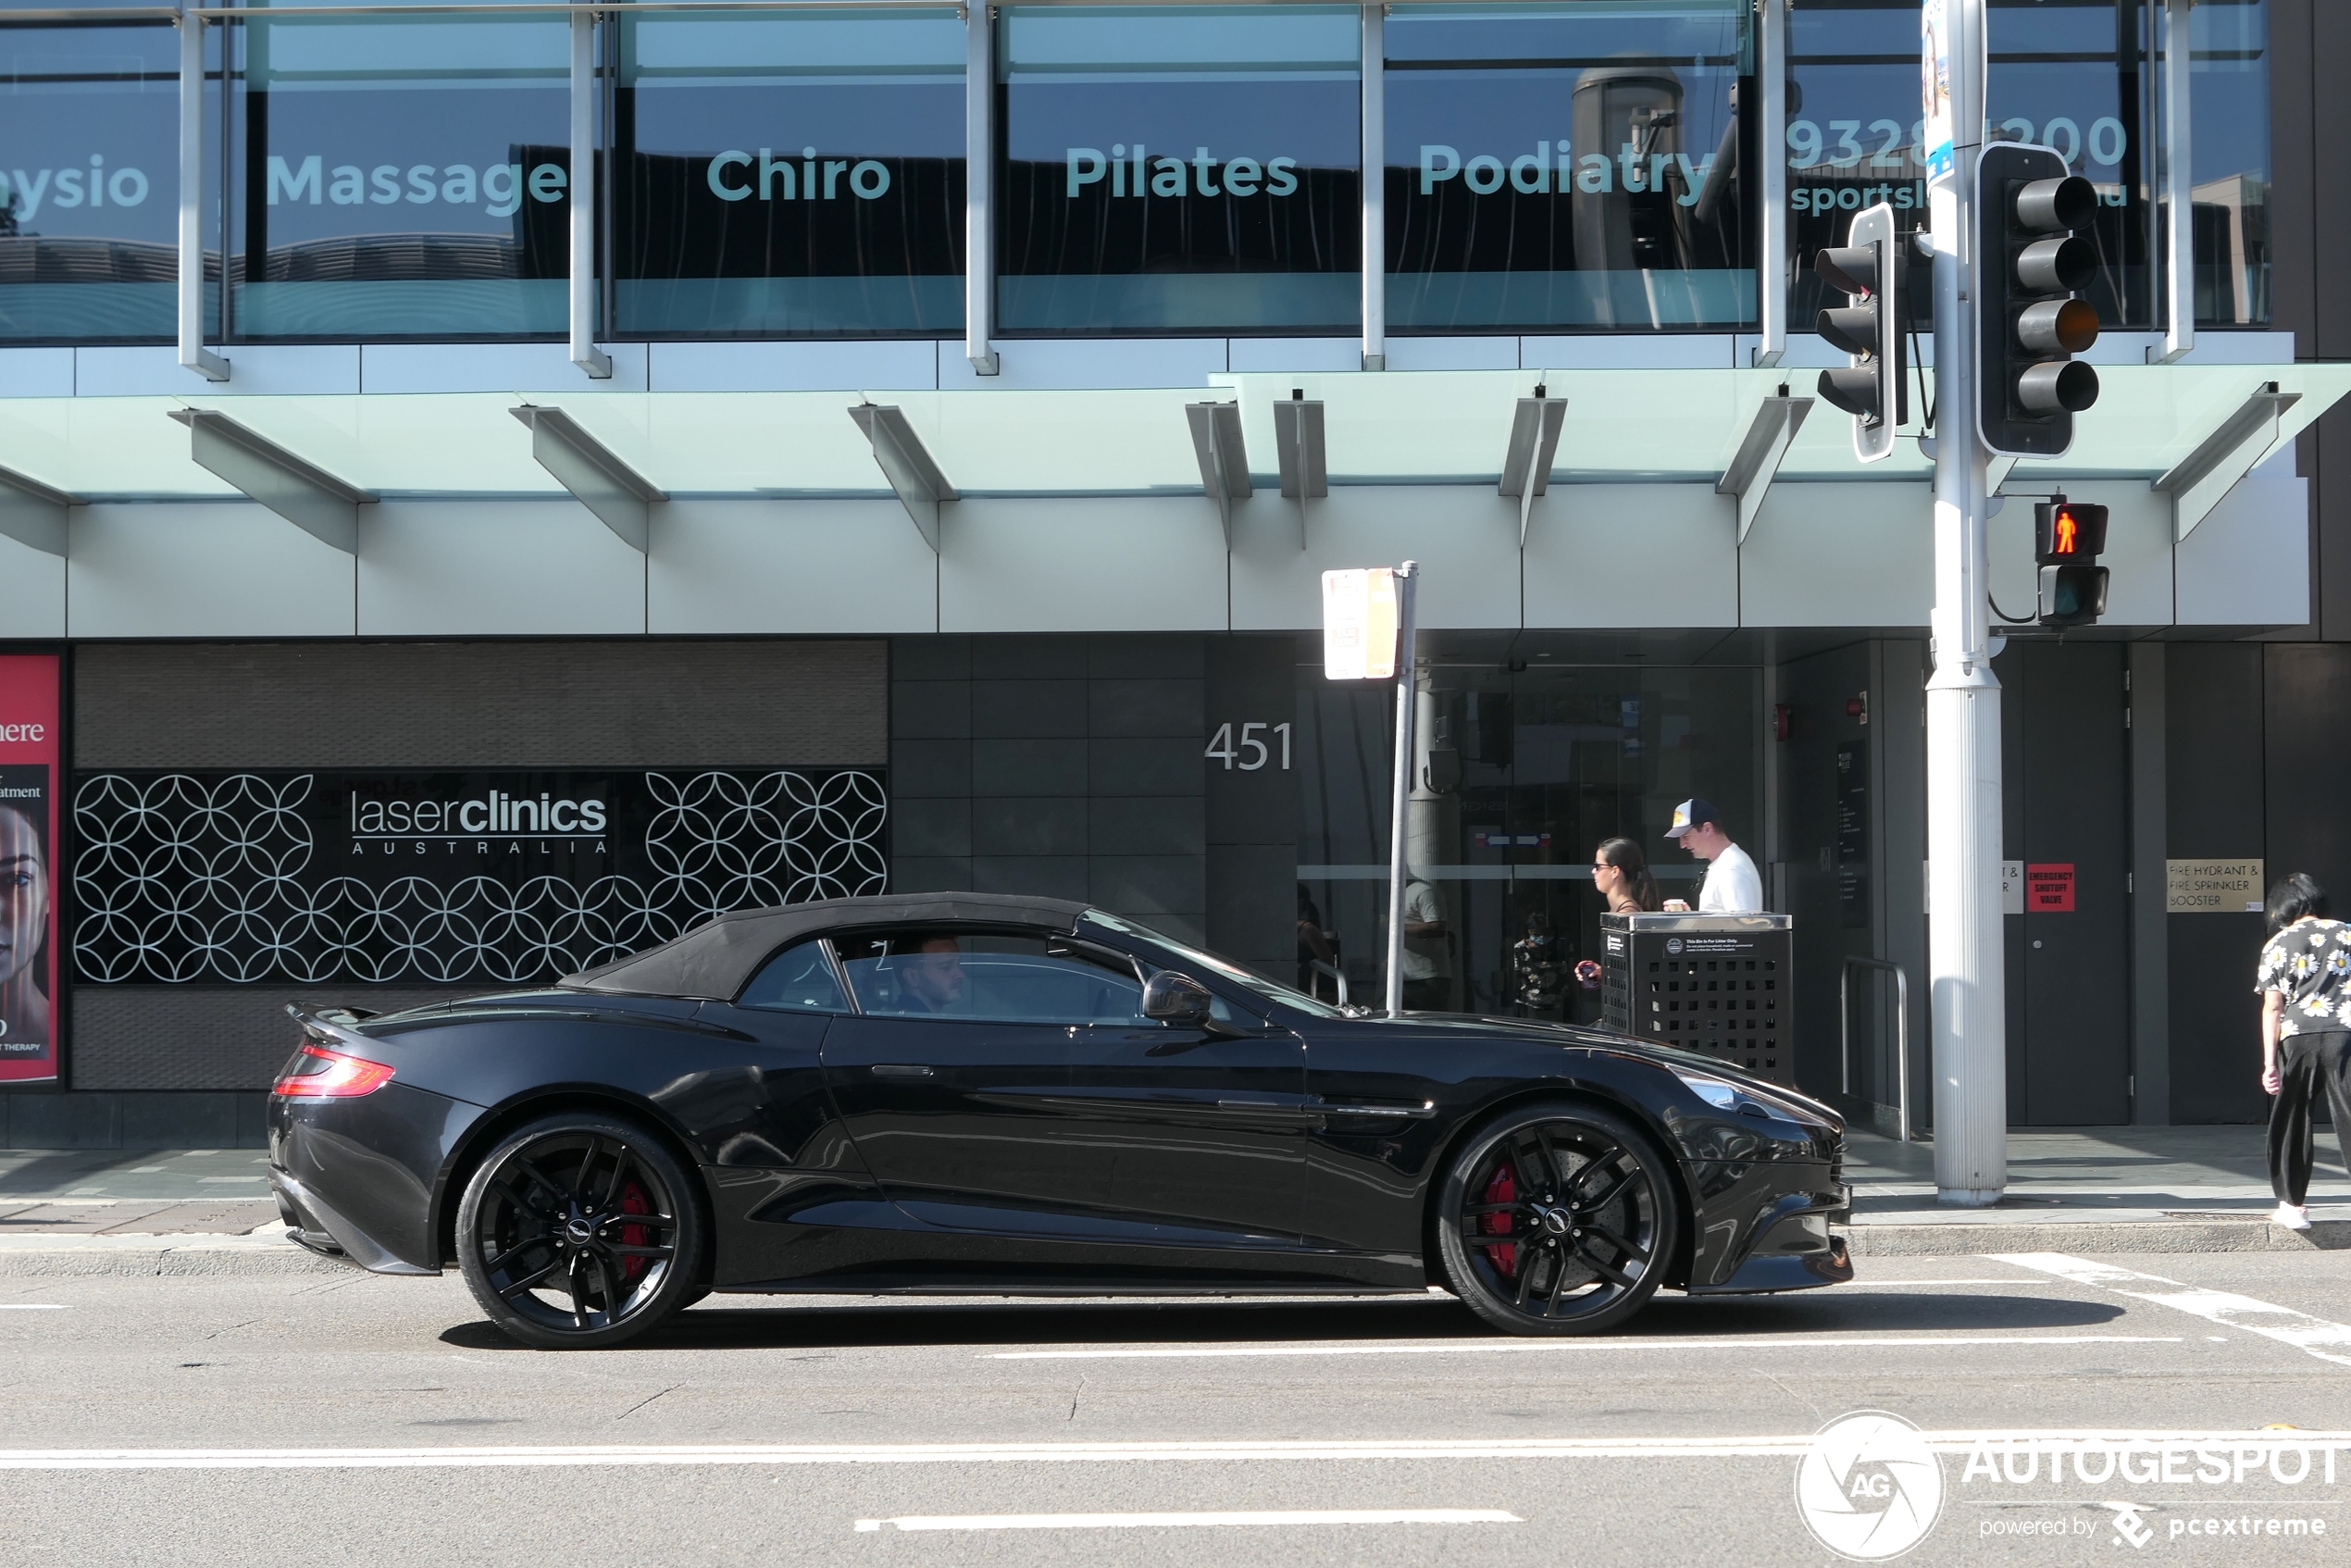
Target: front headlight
pixel 1724 1095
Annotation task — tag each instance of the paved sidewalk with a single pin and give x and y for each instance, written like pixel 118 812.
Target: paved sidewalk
pixel 2154 1189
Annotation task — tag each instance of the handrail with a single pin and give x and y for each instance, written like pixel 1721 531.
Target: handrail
pixel 1332 970
pixel 1901 1033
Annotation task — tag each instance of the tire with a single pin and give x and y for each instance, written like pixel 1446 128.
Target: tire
pixel 579 1231
pixel 1557 1218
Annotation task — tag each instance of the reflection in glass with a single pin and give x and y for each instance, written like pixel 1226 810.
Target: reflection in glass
pixel 89 215
pixel 793 173
pixel 2229 67
pixel 1569 165
pixel 1534 769
pixel 1180 170
pixel 2075 75
pixel 401 178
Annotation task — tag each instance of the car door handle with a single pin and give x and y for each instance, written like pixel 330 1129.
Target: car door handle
pixel 898 1070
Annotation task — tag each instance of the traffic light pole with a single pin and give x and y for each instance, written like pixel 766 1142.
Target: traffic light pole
pixel 1963 696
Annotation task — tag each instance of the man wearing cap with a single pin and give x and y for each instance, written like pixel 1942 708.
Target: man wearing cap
pixel 1732 886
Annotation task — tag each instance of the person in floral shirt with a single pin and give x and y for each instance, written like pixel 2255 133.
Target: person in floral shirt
pixel 2303 981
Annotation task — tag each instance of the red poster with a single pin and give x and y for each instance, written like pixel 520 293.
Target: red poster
pixel 32 763
pixel 2048 889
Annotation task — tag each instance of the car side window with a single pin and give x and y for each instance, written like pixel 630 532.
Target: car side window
pixel 990 977
pixel 799 980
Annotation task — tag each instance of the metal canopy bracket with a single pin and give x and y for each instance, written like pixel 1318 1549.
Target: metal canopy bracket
pixel 899 452
pixel 1223 461
pixel 32 514
pixel 1535 440
pixel 1757 461
pixel 597 478
pixel 2206 476
pixel 305 495
pixel 1298 446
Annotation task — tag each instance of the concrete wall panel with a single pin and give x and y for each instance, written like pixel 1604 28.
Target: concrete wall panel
pixel 203 570
pixel 1464 537
pixel 33 592
pixel 1107 563
pixel 497 568
pixel 1840 555
pixel 1631 555
pixel 796 567
pixel 805 367
pixel 2248 563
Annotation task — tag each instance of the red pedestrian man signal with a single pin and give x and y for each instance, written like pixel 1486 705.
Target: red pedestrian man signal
pixel 2066 539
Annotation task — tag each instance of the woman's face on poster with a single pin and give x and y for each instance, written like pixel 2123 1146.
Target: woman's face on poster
pixel 24 894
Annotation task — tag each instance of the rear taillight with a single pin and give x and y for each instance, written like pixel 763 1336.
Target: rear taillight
pixel 318 1073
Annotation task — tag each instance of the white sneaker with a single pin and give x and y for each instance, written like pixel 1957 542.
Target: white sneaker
pixel 2292 1217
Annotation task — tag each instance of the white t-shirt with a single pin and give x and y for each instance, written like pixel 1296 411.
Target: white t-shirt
pixel 1732 886
pixel 1424 957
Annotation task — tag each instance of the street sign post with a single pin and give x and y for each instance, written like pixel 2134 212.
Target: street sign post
pixel 1964 936
pixel 1367 635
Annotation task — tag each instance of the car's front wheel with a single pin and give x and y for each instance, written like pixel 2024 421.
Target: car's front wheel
pixel 579 1231
pixel 1557 1219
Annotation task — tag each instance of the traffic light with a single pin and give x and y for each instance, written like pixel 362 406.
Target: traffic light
pixel 1873 388
pixel 2031 266
pixel 2067 538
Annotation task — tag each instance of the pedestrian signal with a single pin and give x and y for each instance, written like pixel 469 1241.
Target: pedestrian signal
pixel 1868 269
pixel 2031 266
pixel 2067 537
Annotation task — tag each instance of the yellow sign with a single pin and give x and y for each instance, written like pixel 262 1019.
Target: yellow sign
pixel 2212 886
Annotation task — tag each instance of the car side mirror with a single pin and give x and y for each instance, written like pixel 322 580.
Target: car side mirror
pixel 1177 999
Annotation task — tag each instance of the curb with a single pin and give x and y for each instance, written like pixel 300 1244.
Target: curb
pixel 266 1254
pixel 1967 1238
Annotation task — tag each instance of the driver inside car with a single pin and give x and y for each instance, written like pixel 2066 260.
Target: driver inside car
pixel 931 979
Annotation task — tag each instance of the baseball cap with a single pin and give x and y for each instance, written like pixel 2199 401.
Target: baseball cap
pixel 1690 813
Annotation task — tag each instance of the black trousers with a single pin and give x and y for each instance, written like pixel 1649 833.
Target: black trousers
pixel 1432 995
pixel 2310 1065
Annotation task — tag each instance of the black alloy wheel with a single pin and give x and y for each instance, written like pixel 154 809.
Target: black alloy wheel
pixel 1558 1218
pixel 580 1232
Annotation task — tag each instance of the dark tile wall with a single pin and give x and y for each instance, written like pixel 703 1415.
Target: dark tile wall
pixel 1073 766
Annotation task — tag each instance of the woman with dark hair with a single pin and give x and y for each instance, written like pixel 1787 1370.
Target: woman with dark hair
pixel 24 928
pixel 1621 874
pixel 2303 981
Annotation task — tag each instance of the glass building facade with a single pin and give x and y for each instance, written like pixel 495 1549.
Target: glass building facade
pixel 1573 166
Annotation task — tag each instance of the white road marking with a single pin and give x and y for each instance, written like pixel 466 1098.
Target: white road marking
pixel 2319 1337
pixel 1169 1520
pixel 1852 1285
pixel 1508 1347
pixel 1280 1451
pixel 31 1307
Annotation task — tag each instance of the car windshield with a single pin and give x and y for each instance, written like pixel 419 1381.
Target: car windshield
pixel 1270 991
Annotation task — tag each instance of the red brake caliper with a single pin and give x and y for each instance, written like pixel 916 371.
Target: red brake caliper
pixel 633 1201
pixel 1503 1189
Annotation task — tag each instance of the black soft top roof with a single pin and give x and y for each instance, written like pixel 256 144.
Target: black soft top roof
pixel 711 963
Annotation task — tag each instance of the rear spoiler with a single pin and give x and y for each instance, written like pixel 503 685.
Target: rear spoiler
pixel 330 1026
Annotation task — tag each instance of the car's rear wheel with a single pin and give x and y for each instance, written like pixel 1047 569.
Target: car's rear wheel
pixel 1557 1218
pixel 580 1232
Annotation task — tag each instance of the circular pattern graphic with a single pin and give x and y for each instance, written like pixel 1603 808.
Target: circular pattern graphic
pixel 1868 1487
pixel 179 878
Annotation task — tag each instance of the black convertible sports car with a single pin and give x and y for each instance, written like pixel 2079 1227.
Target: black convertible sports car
pixel 958 1093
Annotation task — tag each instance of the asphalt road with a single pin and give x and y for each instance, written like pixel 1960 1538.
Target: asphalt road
pixel 187 1421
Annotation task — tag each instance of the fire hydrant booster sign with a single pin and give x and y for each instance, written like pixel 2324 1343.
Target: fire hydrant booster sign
pixel 29 761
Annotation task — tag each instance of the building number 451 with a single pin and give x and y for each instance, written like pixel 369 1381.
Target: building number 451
pixel 1253 752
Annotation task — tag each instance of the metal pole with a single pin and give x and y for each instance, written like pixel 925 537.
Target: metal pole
pixel 1963 697
pixel 192 354
pixel 582 286
pixel 1374 162
pixel 2175 160
pixel 1771 142
pixel 979 171
pixel 1406 577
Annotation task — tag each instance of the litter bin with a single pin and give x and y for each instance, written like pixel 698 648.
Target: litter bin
pixel 1720 984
